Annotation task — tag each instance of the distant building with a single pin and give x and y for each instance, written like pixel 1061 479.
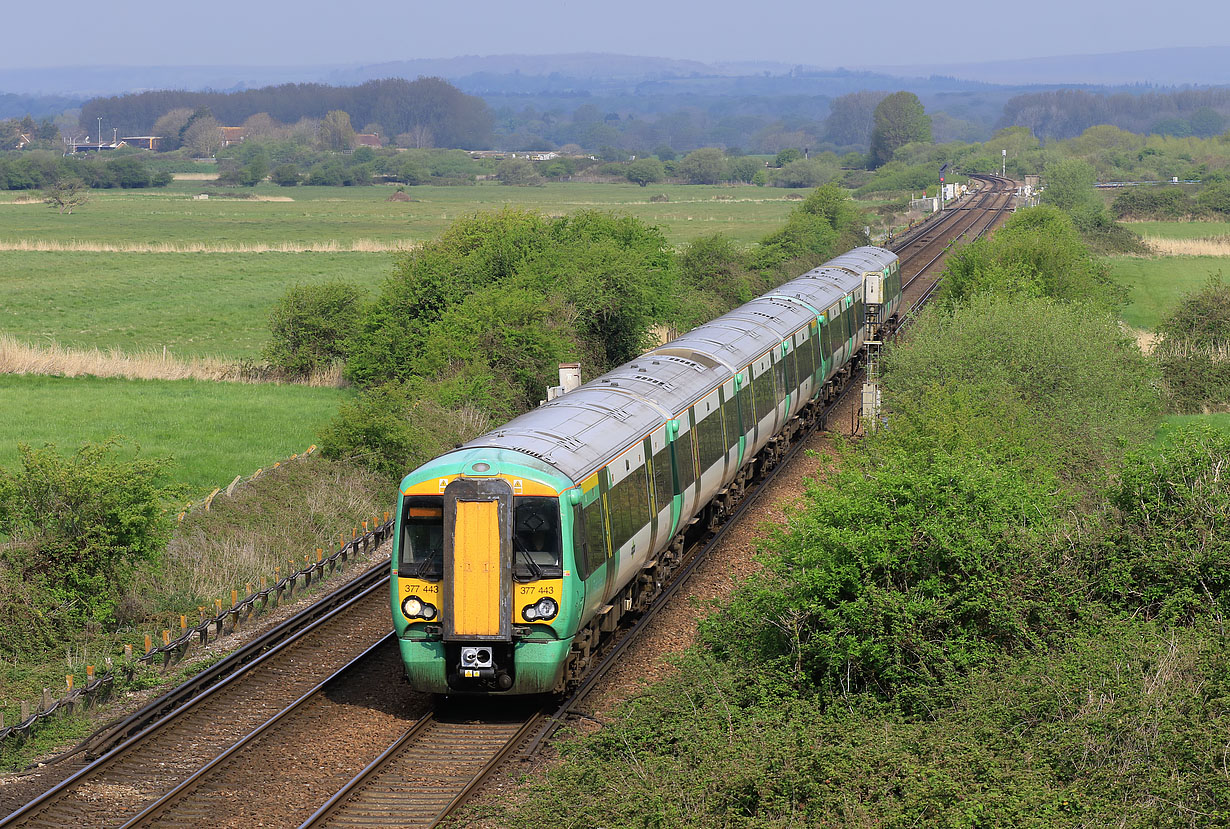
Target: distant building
pixel 232 135
pixel 23 141
pixel 145 142
pixel 89 147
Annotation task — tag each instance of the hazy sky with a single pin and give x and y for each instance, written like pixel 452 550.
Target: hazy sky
pixel 280 32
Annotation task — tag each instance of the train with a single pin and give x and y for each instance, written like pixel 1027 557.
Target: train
pixel 518 552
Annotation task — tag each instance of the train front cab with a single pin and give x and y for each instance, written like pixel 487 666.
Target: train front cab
pixel 483 594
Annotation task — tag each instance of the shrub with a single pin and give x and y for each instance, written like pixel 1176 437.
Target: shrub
pixel 77 528
pixel 309 326
pixel 1169 554
pixel 1193 349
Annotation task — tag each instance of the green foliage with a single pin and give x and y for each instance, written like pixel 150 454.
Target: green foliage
pixel 309 326
pixel 397 426
pixel 1153 203
pixel 1215 198
pixel 285 175
pixel 786 156
pixel 77 527
pixel 1038 252
pixel 518 172
pixel 899 120
pixel 824 224
pixel 646 171
pixel 1193 346
pixel 1168 554
pixel 1122 727
pixel 1081 382
pixel 1069 184
pixel 707 165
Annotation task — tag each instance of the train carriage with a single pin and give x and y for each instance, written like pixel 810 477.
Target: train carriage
pixel 516 552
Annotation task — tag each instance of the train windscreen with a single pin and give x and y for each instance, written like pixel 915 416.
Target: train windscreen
pixel 422 537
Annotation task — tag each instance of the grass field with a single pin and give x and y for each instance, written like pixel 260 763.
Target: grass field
pixel 208 304
pixel 213 431
pixel 1158 284
pixel 1181 230
pixel 323 215
pixel 1219 421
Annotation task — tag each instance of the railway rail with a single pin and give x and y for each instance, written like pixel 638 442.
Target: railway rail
pixel 211 758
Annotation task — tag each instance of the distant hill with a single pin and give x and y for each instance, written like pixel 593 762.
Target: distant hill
pixel 1194 65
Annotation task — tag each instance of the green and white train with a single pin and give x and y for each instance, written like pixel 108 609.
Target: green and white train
pixel 516 552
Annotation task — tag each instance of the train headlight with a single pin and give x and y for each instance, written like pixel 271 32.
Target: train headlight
pixel 543 610
pixel 415 608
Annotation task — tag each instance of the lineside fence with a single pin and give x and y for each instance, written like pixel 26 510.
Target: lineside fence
pixel 165 651
pixel 208 501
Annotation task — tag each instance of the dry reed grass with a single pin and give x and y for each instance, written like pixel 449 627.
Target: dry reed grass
pixel 21 358
pixel 331 246
pixel 1215 246
pixel 195 176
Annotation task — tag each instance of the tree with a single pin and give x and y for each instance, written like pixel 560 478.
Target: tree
pixel 1207 122
pixel 852 118
pixel 645 171
pixel 285 175
pixel 899 120
pixel 203 136
pixel 67 193
pixel 1069 184
pixel 260 126
pixel 518 172
pixel 665 152
pixel 704 166
pixel 170 126
pixel 336 133
pixel 786 156
pixel 744 169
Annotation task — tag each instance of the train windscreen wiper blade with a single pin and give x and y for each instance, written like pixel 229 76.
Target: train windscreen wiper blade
pixel 535 569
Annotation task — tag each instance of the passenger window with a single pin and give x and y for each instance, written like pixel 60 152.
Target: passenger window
pixel 422 537
pixel 745 403
pixel 711 445
pixel 730 418
pixel 765 396
pixel 536 539
pixel 779 377
pixel 683 457
pixel 664 485
pixel 595 537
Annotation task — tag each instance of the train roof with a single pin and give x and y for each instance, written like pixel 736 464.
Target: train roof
pixel 861 260
pixel 581 431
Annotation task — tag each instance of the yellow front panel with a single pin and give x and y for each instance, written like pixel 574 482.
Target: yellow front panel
pixel 476 569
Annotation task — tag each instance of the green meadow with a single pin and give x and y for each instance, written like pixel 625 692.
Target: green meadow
pixel 1181 230
pixel 1157 284
pixel 192 304
pixel 212 431
pixel 324 215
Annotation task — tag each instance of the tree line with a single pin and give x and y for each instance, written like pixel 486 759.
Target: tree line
pixel 1066 113
pixel 392 106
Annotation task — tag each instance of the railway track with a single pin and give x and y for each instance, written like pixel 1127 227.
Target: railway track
pixel 298 725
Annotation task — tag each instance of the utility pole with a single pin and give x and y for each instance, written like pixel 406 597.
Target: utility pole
pixel 100 132
pixel 1003 170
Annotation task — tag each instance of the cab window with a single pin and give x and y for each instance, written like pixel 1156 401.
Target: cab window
pixel 422 537
pixel 536 538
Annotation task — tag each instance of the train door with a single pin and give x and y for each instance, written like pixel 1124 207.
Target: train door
pixel 591 541
pixel 765 399
pixel 662 478
pixel 805 362
pixel 478 560
pixel 630 518
pixel 684 455
pixel 710 445
pixel 732 429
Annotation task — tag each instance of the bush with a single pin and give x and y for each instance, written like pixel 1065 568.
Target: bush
pixel 518 172
pixel 77 527
pixel 1038 252
pixel 1193 349
pixel 396 427
pixel 1169 555
pixel 309 326
pixel 1215 197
